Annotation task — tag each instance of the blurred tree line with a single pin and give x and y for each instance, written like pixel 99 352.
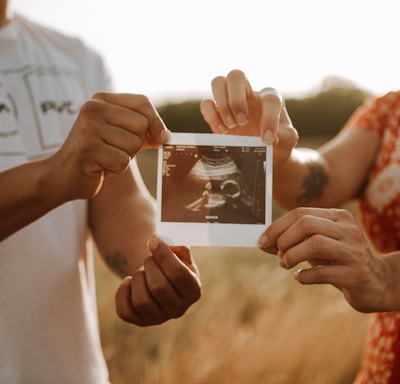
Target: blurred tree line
pixel 321 113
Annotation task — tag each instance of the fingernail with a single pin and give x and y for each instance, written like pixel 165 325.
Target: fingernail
pixel 231 122
pixel 242 119
pixel 153 244
pixel 268 137
pixel 222 128
pixel 127 281
pixel 282 259
pixel 263 241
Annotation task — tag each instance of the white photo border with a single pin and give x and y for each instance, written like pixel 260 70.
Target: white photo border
pixel 213 234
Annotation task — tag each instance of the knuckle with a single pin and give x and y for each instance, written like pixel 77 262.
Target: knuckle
pixel 363 275
pixel 140 123
pixel 142 100
pixel 89 107
pixel 123 314
pixel 308 223
pixel 181 276
pixel 196 293
pixel 344 214
pixel 347 214
pixel 292 134
pixel 299 212
pixel 99 96
pixel 140 303
pixel 355 232
pixel 90 126
pixel 158 290
pixel 318 242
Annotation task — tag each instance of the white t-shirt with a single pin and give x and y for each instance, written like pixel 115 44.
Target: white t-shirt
pixel 48 316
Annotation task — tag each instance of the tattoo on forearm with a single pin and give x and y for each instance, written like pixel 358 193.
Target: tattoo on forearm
pixel 118 263
pixel 313 185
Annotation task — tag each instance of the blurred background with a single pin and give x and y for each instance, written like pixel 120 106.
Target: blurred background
pixel 254 324
pixel 171 49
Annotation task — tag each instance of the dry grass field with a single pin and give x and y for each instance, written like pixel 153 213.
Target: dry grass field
pixel 253 325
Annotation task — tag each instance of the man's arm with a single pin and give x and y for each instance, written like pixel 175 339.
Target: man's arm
pixel 109 130
pixel 160 282
pixel 27 193
pixel 122 219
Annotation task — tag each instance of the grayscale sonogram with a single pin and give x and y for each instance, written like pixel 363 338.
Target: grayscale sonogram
pixel 213 184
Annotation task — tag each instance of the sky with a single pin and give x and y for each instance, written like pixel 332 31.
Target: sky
pixel 170 50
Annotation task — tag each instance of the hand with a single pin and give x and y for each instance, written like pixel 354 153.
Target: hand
pixel 238 110
pixel 334 246
pixel 108 132
pixel 164 288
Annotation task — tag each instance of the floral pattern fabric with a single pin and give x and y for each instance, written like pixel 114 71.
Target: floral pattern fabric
pixel 380 217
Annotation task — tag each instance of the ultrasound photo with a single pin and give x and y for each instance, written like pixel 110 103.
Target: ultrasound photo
pixel 213 184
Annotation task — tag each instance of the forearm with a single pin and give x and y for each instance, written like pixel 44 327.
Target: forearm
pixel 124 243
pixel 122 218
pixel 302 180
pixel 27 193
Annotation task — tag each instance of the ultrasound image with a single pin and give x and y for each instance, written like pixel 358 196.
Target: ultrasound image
pixel 213 184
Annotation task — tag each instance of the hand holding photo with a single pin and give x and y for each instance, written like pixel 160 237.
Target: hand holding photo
pixel 213 190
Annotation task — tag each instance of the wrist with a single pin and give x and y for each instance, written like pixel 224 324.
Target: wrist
pixel 50 186
pixel 391 273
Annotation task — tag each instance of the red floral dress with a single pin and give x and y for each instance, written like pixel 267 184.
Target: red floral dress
pixel 380 217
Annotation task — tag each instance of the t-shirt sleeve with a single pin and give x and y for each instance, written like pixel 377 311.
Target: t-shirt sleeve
pixel 99 74
pixel 373 115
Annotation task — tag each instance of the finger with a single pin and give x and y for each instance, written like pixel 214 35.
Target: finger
pixel 336 275
pixel 270 237
pixel 184 253
pixel 237 89
pixel 185 280
pixel 141 104
pixel 120 138
pixel 287 139
pixel 306 227
pixel 133 121
pixel 161 289
pixel 268 240
pixel 212 117
pixel 142 299
pixel 123 303
pixel 272 105
pixel 220 92
pixel 103 157
pixel 317 250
